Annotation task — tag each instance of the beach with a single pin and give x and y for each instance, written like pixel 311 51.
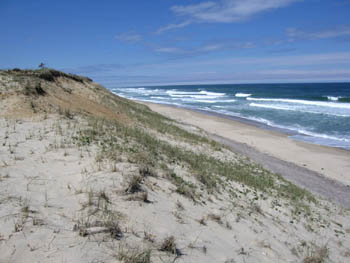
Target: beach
pixel 332 163
pixel 88 176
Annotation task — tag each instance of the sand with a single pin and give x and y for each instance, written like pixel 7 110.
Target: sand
pixel 333 163
pixel 48 187
pixel 63 199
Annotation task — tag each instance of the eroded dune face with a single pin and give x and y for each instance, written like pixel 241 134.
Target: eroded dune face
pixel 87 176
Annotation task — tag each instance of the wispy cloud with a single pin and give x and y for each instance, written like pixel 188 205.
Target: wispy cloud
pixel 227 11
pixel 293 33
pixel 206 48
pixel 282 50
pixel 224 11
pixel 171 27
pixel 170 50
pixel 129 37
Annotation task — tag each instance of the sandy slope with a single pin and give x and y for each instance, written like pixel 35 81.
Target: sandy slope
pixel 330 162
pixel 49 186
pixel 66 196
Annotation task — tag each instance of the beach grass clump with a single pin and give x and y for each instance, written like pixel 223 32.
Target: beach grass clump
pixel 216 218
pixel 34 89
pixel 294 192
pixel 147 171
pixel 317 254
pixel 135 185
pixel 102 221
pixel 187 191
pixel 169 245
pixel 135 256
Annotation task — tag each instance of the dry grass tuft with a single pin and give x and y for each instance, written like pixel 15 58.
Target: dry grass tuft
pixel 169 245
pixel 143 197
pixel 134 185
pixel 147 172
pixel 317 255
pixel 135 256
pixel 108 225
pixel 215 218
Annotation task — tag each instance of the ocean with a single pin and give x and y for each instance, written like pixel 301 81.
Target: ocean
pixel 315 112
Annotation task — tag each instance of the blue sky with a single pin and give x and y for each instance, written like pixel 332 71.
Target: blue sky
pixel 150 42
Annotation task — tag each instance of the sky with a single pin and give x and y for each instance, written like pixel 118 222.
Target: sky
pixel 163 42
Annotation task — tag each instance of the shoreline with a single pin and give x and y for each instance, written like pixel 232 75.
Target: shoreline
pixel 292 133
pixel 283 131
pixel 330 162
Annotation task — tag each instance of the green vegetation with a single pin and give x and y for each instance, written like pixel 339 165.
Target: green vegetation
pixel 34 90
pixel 155 121
pixel 135 256
pixel 141 147
pixel 183 187
pixel 45 74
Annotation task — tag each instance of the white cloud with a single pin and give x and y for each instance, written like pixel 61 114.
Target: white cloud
pixel 223 11
pixel 294 33
pixel 171 50
pixel 172 26
pixel 227 11
pixel 218 46
pixel 129 37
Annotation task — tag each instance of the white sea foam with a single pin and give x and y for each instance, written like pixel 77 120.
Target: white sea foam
pixel 207 99
pixel 333 98
pixel 176 92
pixel 306 102
pixel 159 98
pixel 226 101
pixel 296 128
pixel 275 107
pixel 201 100
pixel 141 91
pixel 122 95
pixel 212 93
pixel 242 95
pixel 324 136
pixel 299 130
pixel 195 95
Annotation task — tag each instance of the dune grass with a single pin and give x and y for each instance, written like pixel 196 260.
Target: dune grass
pixel 115 138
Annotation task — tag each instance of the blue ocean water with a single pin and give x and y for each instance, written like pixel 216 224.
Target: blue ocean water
pixel 313 112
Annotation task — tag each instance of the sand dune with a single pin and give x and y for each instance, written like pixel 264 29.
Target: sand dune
pixel 87 176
